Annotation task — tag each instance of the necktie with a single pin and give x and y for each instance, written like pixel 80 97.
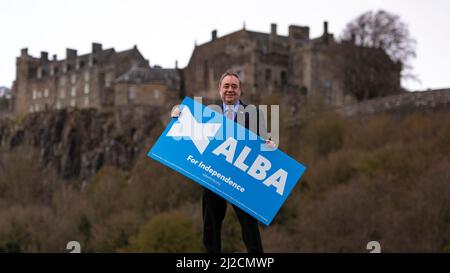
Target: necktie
pixel 229 113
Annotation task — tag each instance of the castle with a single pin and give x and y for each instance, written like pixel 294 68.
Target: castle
pixel 101 79
pixel 266 62
pixel 272 63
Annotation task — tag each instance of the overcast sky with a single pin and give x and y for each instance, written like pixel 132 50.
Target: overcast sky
pixel 166 30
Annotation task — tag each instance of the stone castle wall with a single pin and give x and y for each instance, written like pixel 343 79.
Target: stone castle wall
pixel 402 103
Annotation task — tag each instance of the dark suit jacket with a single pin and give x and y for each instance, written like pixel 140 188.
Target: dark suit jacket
pixel 243 117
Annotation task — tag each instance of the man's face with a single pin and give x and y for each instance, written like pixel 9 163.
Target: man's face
pixel 229 90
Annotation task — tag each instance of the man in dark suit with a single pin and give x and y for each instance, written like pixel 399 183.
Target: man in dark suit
pixel 214 206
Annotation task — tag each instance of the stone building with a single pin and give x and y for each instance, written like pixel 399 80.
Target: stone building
pixel 147 85
pixel 271 63
pixel 268 63
pixel 81 81
pixel 5 101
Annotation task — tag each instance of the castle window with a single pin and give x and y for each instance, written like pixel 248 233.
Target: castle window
pixel 73 78
pixel 79 64
pixel 34 94
pixel 72 103
pixel 264 49
pixel 86 101
pixel 86 76
pixel 31 109
pixel 328 84
pixel 32 72
pixel 131 93
pixel 304 90
pixel 241 75
pixel 283 77
pixel 46 93
pixel 58 105
pixel 108 79
pixel 73 91
pixel 86 88
pixel 268 75
pixel 156 94
pixel 62 93
pixel 62 80
pixel 36 107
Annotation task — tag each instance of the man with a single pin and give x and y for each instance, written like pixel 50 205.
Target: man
pixel 214 206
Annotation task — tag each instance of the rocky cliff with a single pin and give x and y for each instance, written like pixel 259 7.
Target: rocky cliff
pixel 77 143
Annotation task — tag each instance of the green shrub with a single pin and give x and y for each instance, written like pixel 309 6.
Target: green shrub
pixel 231 233
pixel 166 232
pixel 325 135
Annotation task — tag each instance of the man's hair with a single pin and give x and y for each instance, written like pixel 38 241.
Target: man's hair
pixel 229 74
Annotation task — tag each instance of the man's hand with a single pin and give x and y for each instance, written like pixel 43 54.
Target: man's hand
pixel 270 144
pixel 175 112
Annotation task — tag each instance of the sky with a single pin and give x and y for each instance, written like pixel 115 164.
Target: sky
pixel 166 31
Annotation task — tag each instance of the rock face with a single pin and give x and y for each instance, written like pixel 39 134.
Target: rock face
pixel 78 143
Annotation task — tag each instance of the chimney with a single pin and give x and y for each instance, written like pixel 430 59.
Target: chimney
pixel 96 47
pixel 176 64
pixel 24 52
pixel 273 29
pixel 213 35
pixel 44 56
pixel 71 53
pixel 325 32
pixel 54 57
pixel 298 33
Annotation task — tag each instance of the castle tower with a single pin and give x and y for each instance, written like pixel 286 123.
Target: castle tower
pixel 26 67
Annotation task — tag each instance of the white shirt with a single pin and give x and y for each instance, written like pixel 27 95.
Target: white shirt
pixel 232 107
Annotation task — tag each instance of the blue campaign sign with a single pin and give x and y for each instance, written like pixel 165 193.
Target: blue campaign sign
pixel 210 149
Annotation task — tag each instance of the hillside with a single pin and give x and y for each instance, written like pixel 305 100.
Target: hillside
pixel 84 176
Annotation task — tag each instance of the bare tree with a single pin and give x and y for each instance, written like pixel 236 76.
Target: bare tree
pixel 366 72
pixel 386 31
pixel 375 49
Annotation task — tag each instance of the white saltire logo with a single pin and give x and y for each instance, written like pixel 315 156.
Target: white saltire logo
pixel 198 132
